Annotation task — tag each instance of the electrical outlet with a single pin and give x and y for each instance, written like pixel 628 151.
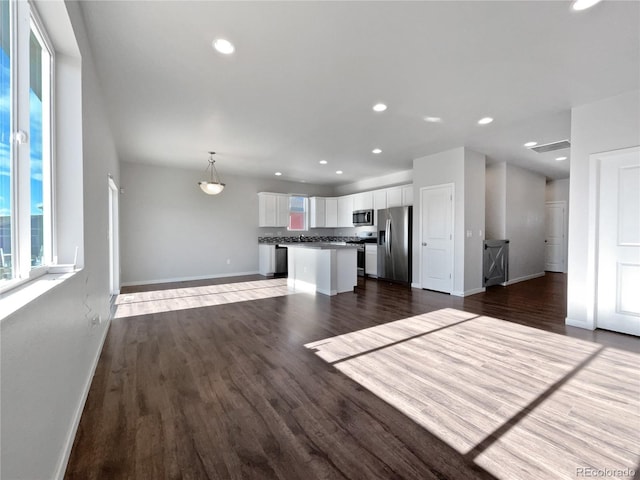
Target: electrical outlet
pixel 228 261
pixel 95 321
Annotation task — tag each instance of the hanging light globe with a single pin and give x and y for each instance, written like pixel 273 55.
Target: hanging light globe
pixel 213 186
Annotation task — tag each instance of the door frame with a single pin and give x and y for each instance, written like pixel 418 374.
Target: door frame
pixel 565 233
pixel 593 229
pixel 113 237
pixel 453 233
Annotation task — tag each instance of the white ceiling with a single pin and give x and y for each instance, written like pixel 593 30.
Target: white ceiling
pixel 305 75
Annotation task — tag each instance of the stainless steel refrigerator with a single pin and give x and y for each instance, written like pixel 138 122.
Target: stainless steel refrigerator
pixel 394 244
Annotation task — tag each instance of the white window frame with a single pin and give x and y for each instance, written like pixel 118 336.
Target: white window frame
pixel 24 18
pixel 306 213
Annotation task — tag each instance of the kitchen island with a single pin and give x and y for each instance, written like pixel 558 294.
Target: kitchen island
pixel 326 268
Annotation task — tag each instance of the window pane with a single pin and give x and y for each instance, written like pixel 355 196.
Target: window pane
pixel 297 213
pixel 296 221
pixel 6 270
pixel 38 98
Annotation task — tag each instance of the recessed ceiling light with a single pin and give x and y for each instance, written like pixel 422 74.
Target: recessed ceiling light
pixel 530 144
pixel 277 174
pixel 224 46
pixel 376 151
pixel 485 121
pixel 559 159
pixel 339 172
pixel 379 107
pixel 322 162
pixel 584 4
pixel 433 119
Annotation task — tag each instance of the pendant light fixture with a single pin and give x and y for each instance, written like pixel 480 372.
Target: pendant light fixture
pixel 214 186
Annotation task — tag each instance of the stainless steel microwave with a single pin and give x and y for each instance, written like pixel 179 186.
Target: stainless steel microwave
pixel 362 218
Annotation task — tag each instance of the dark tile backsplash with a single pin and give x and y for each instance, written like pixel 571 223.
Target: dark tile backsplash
pixel 306 238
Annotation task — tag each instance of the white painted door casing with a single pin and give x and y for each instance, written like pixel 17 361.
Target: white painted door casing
pixel 618 266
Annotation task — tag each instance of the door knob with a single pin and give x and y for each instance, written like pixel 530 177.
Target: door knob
pixel 424 244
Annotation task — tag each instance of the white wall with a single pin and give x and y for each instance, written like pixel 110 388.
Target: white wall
pixel 557 191
pixel 609 124
pixel 171 230
pixel 515 211
pixel 496 201
pixel 525 223
pixel 466 170
pixel 474 220
pixel 48 349
pixel 397 178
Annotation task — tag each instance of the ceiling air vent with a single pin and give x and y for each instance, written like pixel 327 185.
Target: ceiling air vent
pixel 550 147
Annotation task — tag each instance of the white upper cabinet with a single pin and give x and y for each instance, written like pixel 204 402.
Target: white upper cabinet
pixel 394 197
pixel 379 203
pixel 379 199
pixel 345 211
pixel 363 201
pixel 273 209
pixel 283 211
pixel 317 212
pixel 407 195
pixel 331 212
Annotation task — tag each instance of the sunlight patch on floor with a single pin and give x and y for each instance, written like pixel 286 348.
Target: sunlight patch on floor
pixel 158 301
pixel 521 402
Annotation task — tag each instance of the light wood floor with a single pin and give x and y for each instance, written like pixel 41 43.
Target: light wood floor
pixel 241 378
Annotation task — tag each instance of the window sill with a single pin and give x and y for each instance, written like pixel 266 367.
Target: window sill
pixel 13 300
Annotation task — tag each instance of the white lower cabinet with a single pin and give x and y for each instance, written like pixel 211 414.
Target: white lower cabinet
pixel 371 259
pixel 266 259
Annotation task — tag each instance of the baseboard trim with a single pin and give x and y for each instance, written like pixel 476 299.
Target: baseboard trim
pixel 416 285
pixel 573 322
pixel 524 279
pixel 473 291
pixel 186 279
pixel 301 286
pixel 64 460
pixel 466 293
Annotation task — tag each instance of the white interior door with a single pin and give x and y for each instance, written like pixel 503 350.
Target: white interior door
pixel 555 221
pixel 437 238
pixel 618 298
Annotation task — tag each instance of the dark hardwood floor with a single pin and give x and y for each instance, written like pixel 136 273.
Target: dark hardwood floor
pixel 217 383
